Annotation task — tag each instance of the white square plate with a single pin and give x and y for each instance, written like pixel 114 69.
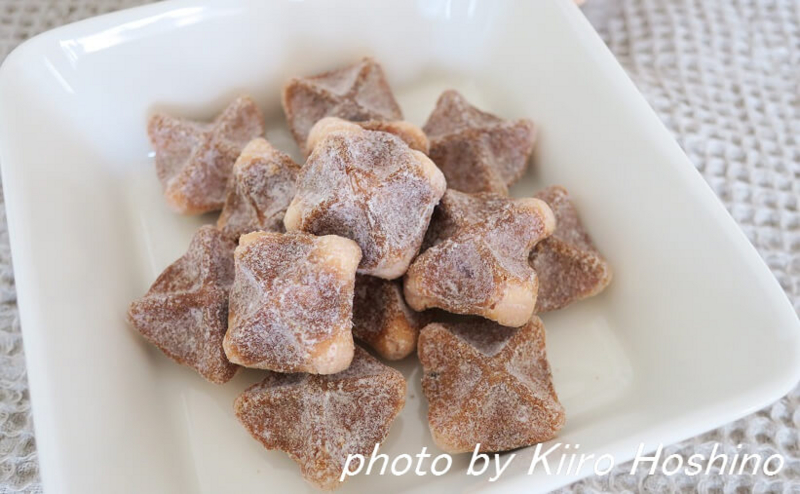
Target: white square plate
pixel 693 332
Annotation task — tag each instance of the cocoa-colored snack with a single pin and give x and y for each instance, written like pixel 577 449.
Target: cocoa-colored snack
pixel 291 304
pixel 569 266
pixel 259 191
pixel 382 319
pixel 477 260
pixel 408 132
pixel 488 384
pixel 477 151
pixel 357 92
pixel 194 159
pixel 185 312
pixel 320 420
pixel 368 186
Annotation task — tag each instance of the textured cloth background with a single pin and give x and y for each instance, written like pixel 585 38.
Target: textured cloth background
pixel 724 75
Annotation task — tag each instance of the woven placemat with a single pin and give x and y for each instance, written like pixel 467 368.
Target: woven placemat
pixel 724 76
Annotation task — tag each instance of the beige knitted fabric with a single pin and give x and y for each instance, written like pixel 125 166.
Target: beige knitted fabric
pixel 724 75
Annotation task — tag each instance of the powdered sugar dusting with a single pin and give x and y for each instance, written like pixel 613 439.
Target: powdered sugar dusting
pixel 477 257
pixel 569 266
pixel 185 312
pixel 477 151
pixel 410 134
pixel 319 420
pixel 368 186
pixel 488 384
pixel 259 191
pixel 291 303
pixel 357 92
pixel 194 160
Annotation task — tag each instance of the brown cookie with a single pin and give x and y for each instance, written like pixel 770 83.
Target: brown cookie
pixel 320 420
pixel 357 92
pixel 368 186
pixel 488 384
pixel 477 151
pixel 569 266
pixel 259 191
pixel 477 260
pixel 194 160
pixel 381 318
pixel 291 304
pixel 185 312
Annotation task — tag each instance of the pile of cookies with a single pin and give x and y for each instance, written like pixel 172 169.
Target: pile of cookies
pixel 404 239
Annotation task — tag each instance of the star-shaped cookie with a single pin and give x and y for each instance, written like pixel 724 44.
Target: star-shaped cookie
pixel 357 92
pixel 569 266
pixel 320 420
pixel 259 190
pixel 194 159
pixel 382 319
pixel 368 186
pixel 291 303
pixel 185 312
pixel 477 260
pixel 488 384
pixel 477 151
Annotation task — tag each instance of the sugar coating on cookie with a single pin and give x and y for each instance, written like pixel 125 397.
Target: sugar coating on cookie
pixel 569 266
pixel 185 312
pixel 368 186
pixel 382 319
pixel 357 92
pixel 320 420
pixel 194 159
pixel 488 384
pixel 477 257
pixel 408 132
pixel 259 191
pixel 477 151
pixel 291 304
